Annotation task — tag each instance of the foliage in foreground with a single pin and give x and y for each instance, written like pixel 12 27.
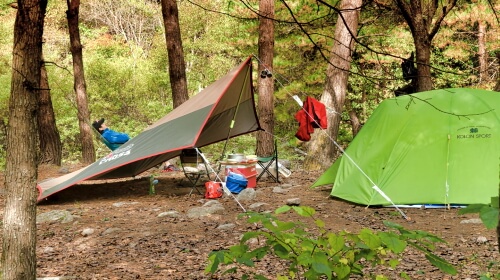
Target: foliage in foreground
pixel 487 213
pixel 315 254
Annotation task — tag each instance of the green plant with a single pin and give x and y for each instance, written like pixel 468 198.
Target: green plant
pixel 315 254
pixel 487 213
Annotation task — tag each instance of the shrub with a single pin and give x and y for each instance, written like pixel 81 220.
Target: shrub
pixel 316 254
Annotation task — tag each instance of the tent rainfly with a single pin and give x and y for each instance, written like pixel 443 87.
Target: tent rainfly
pixel 223 110
pixel 434 147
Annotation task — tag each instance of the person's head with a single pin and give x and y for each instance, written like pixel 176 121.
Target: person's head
pixel 99 125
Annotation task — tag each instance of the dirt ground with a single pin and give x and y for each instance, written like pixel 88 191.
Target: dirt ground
pixel 131 241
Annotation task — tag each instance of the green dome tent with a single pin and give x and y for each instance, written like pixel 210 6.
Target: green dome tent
pixel 434 147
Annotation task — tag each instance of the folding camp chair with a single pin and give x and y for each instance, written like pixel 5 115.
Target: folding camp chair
pixel 268 162
pixel 194 167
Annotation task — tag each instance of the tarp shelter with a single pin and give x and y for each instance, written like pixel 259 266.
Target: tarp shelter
pixel 223 110
pixel 434 147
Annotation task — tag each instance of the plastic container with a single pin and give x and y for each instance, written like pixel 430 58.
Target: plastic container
pixel 248 171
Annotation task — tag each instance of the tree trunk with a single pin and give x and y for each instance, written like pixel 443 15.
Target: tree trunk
pixel 50 142
pixel 481 52
pixel 88 150
pixel 423 55
pixel 19 218
pixel 321 150
pixel 265 107
pixel 355 123
pixel 424 19
pixel 497 86
pixel 177 66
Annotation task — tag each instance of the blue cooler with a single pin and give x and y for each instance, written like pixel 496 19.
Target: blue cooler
pixel 235 182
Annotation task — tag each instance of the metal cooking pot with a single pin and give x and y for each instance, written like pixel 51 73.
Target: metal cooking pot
pixel 236 157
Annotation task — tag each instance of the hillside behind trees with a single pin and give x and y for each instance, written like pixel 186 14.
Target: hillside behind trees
pixel 126 59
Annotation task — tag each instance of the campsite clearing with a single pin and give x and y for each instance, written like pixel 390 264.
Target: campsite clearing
pixel 117 232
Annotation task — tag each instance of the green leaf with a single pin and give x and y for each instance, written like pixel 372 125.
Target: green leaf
pixel 471 208
pixel 404 275
pixel 336 242
pixel 284 226
pixel 246 260
pixel 393 263
pixel 371 240
pixel 392 225
pixel 320 223
pixel 214 259
pixel 283 209
pixel 440 263
pixel 249 235
pixel 261 252
pixel 489 216
pixel 281 251
pixel 304 211
pixel 304 259
pixel 341 270
pixel 322 268
pixel 392 242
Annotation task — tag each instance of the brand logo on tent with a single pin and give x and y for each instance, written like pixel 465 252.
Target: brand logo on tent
pixel 474 133
pixel 118 153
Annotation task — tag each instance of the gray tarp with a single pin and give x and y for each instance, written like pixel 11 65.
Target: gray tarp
pixel 202 120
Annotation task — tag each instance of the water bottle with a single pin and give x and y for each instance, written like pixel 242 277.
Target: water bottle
pixel 283 170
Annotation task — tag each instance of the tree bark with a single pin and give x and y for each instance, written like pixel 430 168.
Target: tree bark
pixel 424 19
pixel 88 150
pixel 177 66
pixel 497 86
pixel 50 142
pixel 321 150
pixel 481 52
pixel 19 222
pixel 265 106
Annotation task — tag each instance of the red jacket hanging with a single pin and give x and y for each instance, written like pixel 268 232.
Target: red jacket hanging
pixel 311 116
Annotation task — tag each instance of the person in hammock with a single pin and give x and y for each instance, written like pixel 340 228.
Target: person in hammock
pixel 110 135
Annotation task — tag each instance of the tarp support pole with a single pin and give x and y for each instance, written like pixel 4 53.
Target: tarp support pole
pixel 234 116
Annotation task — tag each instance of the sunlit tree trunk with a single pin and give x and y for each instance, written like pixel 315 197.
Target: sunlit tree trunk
pixel 424 19
pixel 497 86
pixel 19 217
pixel 88 150
pixel 265 104
pixel 50 142
pixel 177 66
pixel 481 52
pixel 321 150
